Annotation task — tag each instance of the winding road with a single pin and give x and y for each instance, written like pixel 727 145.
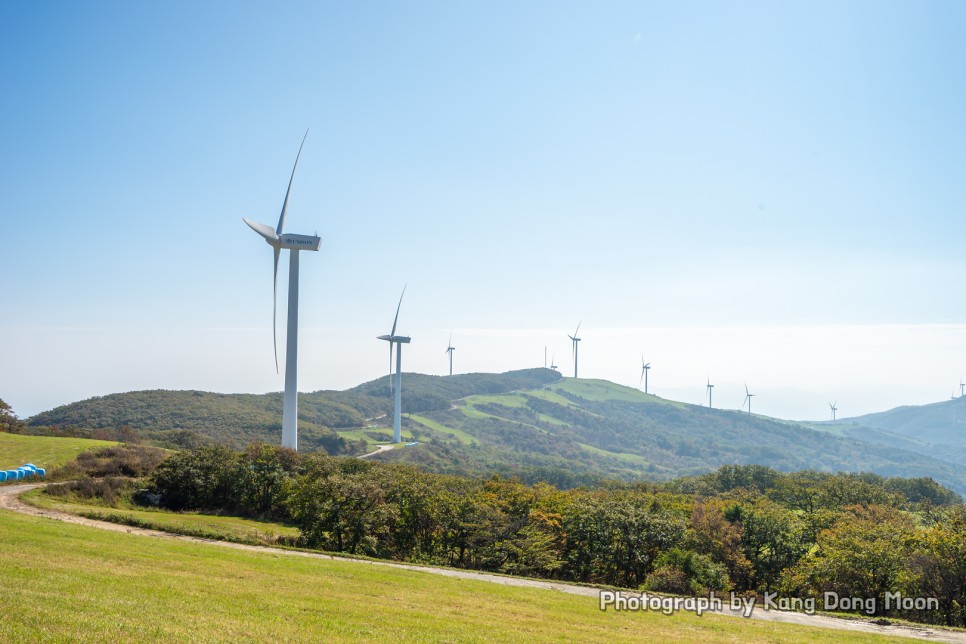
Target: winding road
pixel 9 501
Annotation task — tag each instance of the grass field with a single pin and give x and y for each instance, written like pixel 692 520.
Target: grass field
pixel 65 582
pixel 43 451
pixel 209 526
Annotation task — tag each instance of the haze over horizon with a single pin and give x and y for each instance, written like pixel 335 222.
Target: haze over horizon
pixel 746 192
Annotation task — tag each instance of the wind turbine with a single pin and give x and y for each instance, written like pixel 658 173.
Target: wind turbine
pixel 644 369
pixel 553 359
pixel 710 387
pixel 450 349
pixel 398 340
pixel 962 385
pixel 294 243
pixel 575 340
pixel 834 408
pixel 748 397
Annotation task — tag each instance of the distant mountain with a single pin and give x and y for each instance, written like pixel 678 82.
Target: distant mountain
pixel 937 430
pixel 536 425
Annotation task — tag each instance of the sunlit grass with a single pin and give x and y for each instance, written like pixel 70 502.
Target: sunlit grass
pixel 65 582
pixel 43 451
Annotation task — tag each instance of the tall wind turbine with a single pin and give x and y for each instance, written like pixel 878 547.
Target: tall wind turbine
pixel 748 397
pixel 710 387
pixel 294 243
pixel 450 349
pixel 574 339
pixel 644 369
pixel 962 386
pixel 398 340
pixel 834 408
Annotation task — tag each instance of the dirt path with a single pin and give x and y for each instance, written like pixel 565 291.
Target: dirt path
pixel 379 450
pixel 9 501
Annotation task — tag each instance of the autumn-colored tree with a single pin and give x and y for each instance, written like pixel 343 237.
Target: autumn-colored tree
pixel 864 554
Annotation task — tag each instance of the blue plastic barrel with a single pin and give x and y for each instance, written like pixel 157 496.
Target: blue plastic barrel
pixel 12 475
pixel 41 472
pixel 3 475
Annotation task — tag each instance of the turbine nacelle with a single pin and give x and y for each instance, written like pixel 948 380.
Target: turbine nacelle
pixel 284 241
pixel 395 338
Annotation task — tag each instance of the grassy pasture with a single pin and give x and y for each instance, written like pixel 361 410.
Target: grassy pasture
pixel 43 451
pixel 210 526
pixel 65 582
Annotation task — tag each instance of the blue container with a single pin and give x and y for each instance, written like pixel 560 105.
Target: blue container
pixel 12 475
pixel 3 475
pixel 41 472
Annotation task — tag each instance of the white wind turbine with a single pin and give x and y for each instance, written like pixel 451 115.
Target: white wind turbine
pixel 574 339
pixel 294 243
pixel 398 340
pixel 748 397
pixel 450 349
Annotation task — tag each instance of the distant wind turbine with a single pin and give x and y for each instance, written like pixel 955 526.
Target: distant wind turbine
pixel 644 369
pixel 834 408
pixel 575 340
pixel 962 385
pixel 710 387
pixel 294 243
pixel 553 363
pixel 748 397
pixel 398 340
pixel 450 349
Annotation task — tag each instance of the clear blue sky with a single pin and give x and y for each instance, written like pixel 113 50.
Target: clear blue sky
pixel 760 191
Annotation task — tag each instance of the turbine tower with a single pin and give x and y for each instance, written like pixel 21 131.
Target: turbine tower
pixel 553 361
pixel 962 386
pixel 748 397
pixel 644 369
pixel 294 243
pixel 398 340
pixel 450 349
pixel 834 408
pixel 710 387
pixel 574 339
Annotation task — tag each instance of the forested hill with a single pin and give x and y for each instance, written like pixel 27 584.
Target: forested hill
pixel 239 419
pixel 573 430
pixel 529 423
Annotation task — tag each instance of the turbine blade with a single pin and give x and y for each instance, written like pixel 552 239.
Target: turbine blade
pixel 578 328
pixel 396 319
pixel 262 229
pixel 281 218
pixel 278 251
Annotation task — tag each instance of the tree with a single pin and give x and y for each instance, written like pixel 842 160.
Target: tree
pixel 864 554
pixel 8 420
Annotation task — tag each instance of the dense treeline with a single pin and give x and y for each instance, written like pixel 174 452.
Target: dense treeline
pixel 742 528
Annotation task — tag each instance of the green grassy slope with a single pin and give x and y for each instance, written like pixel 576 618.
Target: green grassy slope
pixel 239 419
pixel 42 451
pixel 69 583
pixel 597 428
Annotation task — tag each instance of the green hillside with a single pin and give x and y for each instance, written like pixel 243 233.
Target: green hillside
pixel 937 430
pixel 533 424
pixel 239 419
pixel 43 451
pixel 573 431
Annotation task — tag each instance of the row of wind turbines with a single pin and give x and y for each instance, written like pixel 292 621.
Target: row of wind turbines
pixel 294 243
